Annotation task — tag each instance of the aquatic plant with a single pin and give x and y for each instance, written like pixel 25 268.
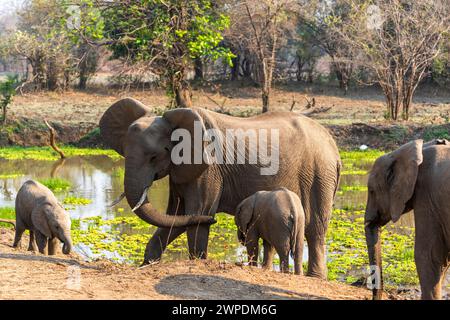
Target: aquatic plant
pixel 56 184
pixel 10 175
pixel 76 201
pixel 48 154
pixel 7 213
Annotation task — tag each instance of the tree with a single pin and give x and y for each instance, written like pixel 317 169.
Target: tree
pixel 397 40
pixel 257 32
pixel 319 21
pixel 165 36
pixel 7 91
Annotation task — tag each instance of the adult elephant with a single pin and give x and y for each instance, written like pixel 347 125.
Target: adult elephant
pixel 308 164
pixel 414 177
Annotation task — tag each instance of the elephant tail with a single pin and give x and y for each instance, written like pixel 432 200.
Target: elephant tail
pixel 338 176
pixel 294 230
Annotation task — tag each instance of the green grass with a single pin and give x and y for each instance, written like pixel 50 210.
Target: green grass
pixel 7 213
pixel 76 201
pixel 48 154
pixel 56 184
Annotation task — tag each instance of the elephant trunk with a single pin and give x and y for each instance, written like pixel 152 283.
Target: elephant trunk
pixel 67 246
pixel 373 240
pixel 136 187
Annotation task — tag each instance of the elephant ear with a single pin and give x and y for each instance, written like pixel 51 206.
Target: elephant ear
pixel 116 120
pixel 40 222
pixel 244 213
pixel 192 121
pixel 402 175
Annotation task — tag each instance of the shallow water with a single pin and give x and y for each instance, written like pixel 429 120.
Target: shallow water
pixel 100 179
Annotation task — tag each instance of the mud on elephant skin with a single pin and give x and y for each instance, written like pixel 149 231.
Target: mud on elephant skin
pixel 308 164
pixel 38 210
pixel 414 177
pixel 278 218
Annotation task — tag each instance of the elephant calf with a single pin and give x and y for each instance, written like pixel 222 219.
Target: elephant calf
pixel 38 210
pixel 278 218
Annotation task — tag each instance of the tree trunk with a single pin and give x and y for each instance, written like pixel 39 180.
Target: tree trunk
pixel 235 68
pixel 183 96
pixel 265 100
pixel 198 69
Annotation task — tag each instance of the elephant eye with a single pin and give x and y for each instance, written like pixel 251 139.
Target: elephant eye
pixel 153 158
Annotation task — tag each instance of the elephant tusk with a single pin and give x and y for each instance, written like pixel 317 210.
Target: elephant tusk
pixel 117 200
pixel 141 201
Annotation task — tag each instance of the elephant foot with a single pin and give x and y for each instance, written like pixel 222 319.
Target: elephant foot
pixel 318 275
pixel 149 263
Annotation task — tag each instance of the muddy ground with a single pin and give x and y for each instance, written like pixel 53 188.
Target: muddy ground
pixel 27 275
pixel 354 119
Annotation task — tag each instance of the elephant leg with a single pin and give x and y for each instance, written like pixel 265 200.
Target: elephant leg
pixel 252 245
pixel 158 243
pixel 20 229
pixel 53 246
pixel 269 251
pixel 41 241
pixel 431 262
pixel 32 243
pixel 298 254
pixel 316 256
pixel 198 241
pixel 284 261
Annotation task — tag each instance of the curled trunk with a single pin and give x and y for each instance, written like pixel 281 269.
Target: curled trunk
pixel 134 189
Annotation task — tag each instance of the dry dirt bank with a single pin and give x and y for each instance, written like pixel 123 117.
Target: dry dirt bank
pixel 354 119
pixel 25 275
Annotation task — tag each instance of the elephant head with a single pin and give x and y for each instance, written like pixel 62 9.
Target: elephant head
pixel 144 140
pixel 244 215
pixel 53 221
pixel 390 191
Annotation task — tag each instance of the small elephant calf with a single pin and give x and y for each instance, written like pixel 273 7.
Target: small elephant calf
pixel 38 210
pixel 278 218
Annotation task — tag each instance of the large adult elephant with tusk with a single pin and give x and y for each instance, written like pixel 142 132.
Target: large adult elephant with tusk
pixel 414 177
pixel 302 154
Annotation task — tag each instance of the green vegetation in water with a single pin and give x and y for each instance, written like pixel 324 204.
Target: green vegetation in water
pixel 10 176
pixel 48 154
pixel 76 201
pixel 347 251
pixel 354 172
pixel 358 156
pixel 127 238
pixel 118 172
pixel 56 184
pixel 352 188
pixel 7 213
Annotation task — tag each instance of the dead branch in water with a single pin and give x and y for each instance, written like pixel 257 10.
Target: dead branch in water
pixel 52 140
pixel 9 221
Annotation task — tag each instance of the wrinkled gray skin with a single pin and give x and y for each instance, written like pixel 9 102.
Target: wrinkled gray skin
pixel 309 166
pixel 414 177
pixel 278 218
pixel 39 211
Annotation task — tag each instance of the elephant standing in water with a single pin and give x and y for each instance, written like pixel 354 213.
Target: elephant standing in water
pixel 308 163
pixel 414 177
